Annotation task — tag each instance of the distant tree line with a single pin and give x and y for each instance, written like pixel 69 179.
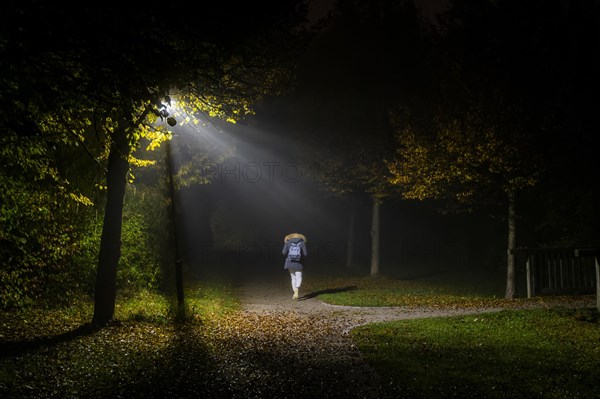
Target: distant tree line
pixel 485 108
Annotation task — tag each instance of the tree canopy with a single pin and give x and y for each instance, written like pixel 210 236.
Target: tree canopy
pixel 100 79
pixel 507 108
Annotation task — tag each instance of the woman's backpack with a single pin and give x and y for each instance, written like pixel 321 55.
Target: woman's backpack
pixel 295 252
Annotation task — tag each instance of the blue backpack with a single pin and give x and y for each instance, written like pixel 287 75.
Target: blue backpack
pixel 294 252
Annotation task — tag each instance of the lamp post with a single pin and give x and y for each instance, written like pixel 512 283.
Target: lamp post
pixel 178 265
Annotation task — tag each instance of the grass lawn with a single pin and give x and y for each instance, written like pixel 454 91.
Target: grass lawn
pixel 515 353
pixel 543 353
pixel 441 291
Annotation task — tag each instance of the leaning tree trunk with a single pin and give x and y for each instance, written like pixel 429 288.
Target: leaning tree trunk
pixel 350 243
pixel 110 241
pixel 375 239
pixel 512 238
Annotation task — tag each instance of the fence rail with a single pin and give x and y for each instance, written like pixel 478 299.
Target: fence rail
pixel 561 270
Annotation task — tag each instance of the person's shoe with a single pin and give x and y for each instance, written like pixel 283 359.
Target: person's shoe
pixel 295 294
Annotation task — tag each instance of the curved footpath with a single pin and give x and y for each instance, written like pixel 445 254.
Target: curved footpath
pixel 269 297
pixel 278 347
pixel 270 300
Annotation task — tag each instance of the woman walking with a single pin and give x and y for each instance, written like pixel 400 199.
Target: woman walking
pixel 294 251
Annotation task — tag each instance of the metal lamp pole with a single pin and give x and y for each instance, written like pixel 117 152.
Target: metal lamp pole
pixel 178 263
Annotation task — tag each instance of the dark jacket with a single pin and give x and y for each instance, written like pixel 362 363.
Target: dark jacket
pixel 294 237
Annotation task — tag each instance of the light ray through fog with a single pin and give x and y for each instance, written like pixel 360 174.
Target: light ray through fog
pixel 263 173
pixel 258 179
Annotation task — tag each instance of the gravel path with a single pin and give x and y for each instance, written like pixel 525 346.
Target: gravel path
pixel 272 297
pixel 281 348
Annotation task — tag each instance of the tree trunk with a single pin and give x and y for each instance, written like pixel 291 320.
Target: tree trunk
pixel 375 239
pixel 110 242
pixel 350 243
pixel 512 239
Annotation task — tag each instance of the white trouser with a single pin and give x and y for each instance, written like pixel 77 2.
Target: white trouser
pixel 296 276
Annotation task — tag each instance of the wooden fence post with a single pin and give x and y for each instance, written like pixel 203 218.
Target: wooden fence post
pixel 597 283
pixel 528 270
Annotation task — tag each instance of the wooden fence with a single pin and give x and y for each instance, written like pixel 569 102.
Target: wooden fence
pixel 561 270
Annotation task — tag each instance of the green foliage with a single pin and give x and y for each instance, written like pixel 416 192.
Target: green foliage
pixel 463 162
pixel 144 242
pixel 356 167
pixel 38 230
pixel 104 93
pixel 51 234
pixel 144 219
pixel 86 258
pixel 510 354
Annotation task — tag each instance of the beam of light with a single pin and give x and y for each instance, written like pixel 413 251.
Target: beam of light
pixel 251 169
pixel 257 174
pixel 266 169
